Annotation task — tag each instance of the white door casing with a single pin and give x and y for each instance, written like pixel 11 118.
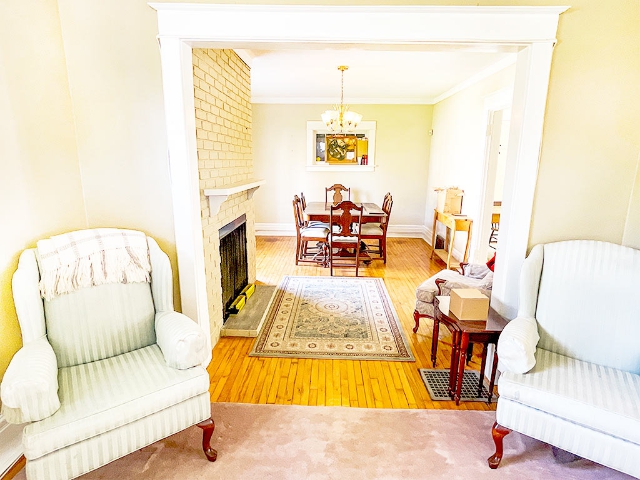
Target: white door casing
pixel 182 27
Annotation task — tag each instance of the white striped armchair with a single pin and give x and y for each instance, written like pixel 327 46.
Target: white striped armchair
pixel 570 360
pixel 103 371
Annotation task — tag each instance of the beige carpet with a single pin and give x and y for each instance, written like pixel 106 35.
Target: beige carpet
pixel 291 443
pixel 332 317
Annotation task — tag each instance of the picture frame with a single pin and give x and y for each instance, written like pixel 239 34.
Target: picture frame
pixel 348 151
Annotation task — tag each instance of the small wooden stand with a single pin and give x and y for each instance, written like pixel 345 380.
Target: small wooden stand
pixel 453 223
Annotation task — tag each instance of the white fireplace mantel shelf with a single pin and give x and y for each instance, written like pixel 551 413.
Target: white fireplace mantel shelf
pixel 217 196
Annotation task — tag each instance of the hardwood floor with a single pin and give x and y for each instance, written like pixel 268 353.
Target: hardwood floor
pixel 236 377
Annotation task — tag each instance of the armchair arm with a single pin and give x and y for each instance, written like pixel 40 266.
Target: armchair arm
pixel 517 345
pixel 474 270
pixel 181 340
pixel 30 385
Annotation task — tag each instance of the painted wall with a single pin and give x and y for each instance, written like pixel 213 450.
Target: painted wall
pixel 401 157
pixel 591 138
pixel 589 153
pixel 40 182
pixel 458 149
pixel 115 80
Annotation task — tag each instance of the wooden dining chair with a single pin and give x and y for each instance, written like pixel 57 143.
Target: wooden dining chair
pixel 306 234
pixel 337 197
pixel 344 239
pixel 307 223
pixel 378 231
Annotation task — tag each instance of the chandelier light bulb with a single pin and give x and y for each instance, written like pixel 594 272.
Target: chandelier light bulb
pixel 340 118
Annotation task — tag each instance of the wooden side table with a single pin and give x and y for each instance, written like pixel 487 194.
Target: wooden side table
pixel 464 332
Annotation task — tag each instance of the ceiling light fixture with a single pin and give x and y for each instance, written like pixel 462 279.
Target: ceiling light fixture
pixel 340 118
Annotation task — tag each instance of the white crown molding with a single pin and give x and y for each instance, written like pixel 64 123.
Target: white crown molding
pixel 10 444
pixel 487 72
pixel 242 24
pixel 352 101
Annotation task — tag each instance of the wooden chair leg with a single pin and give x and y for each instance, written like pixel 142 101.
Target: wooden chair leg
pixel 498 432
pixel 383 248
pixel 208 426
pixel 416 318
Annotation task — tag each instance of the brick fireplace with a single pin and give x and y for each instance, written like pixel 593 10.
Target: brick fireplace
pixel 222 97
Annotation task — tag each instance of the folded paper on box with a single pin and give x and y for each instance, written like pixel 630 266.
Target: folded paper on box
pixel 469 304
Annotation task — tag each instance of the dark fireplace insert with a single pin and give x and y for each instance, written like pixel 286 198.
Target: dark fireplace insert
pixel 233 261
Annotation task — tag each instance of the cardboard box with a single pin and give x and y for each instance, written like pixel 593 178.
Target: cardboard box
pixel 449 200
pixel 469 304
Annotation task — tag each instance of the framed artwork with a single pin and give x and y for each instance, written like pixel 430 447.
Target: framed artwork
pixel 342 149
pixel 330 151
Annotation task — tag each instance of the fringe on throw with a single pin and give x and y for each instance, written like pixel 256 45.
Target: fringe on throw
pixel 87 258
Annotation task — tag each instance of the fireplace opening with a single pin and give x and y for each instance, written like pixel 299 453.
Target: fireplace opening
pixel 233 261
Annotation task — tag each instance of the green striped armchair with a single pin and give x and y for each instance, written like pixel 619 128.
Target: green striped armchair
pixel 103 371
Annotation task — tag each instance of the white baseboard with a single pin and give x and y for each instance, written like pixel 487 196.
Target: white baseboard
pixel 288 230
pixel 10 444
pixel 275 229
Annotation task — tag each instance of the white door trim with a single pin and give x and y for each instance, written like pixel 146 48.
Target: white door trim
pixel 182 27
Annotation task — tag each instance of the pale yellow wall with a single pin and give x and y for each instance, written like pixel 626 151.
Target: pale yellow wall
pixel 40 183
pixel 458 148
pixel 401 157
pixel 113 60
pixel 222 85
pixel 631 237
pixel 591 137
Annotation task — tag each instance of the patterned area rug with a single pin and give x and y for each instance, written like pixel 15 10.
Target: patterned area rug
pixel 332 317
pixel 437 383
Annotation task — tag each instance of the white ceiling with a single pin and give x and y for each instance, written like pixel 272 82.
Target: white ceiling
pixel 385 76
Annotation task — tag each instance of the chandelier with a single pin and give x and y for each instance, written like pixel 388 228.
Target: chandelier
pixel 340 118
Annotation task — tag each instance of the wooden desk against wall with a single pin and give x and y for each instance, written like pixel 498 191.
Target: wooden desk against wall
pixel 453 224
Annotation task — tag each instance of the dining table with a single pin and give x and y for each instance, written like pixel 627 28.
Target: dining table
pixel 320 212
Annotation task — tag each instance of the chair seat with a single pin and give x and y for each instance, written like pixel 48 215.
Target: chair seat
pixel 314 232
pixel 373 229
pixel 596 397
pixel 338 239
pixel 104 395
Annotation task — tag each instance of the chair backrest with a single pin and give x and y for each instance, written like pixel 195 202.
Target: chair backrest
pixel 387 203
pixel 100 321
pixel 588 304
pixel 303 200
pixel 337 190
pixel 298 214
pixel 345 220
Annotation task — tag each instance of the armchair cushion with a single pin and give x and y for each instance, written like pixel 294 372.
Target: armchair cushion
pixel 517 345
pixel 115 392
pixel 30 384
pixel 120 315
pixel 594 396
pixel 181 340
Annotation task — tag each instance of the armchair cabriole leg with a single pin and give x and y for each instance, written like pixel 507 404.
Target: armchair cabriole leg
pixel 498 432
pixel 416 318
pixel 208 426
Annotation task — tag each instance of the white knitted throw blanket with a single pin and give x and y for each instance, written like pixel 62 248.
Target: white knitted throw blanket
pixel 85 258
